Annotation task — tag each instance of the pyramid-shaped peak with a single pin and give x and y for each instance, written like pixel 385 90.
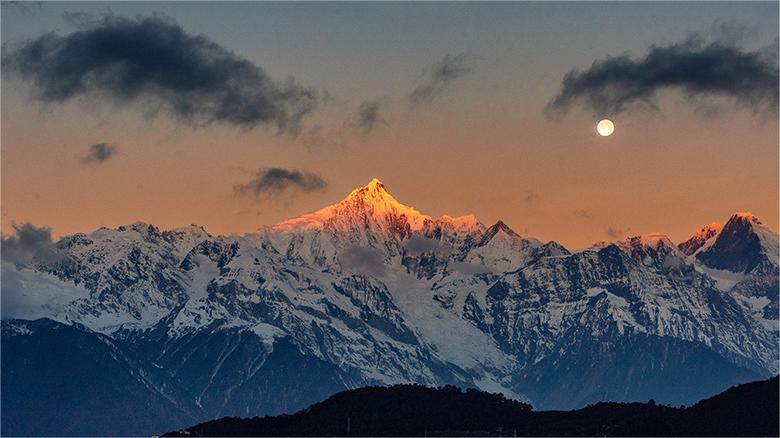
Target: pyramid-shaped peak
pixel 700 238
pixel 743 244
pixel 497 229
pixel 501 226
pixel 375 188
pixel 375 184
pixel 370 201
pixel 744 216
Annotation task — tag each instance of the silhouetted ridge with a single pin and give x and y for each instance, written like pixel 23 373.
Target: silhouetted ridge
pixel 413 410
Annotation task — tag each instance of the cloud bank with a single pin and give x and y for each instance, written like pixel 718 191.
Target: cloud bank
pixel 274 181
pixel 438 78
pixel 699 69
pixel 29 243
pixel 153 62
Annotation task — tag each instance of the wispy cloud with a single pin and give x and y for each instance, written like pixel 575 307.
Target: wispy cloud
pixel 275 181
pixel 417 245
pixel 439 77
pixel 615 233
pixel 320 137
pixel 363 260
pixel 100 153
pixel 701 66
pixel 369 115
pixel 153 62
pixel 468 268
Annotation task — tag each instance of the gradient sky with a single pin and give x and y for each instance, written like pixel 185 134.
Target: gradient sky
pixel 484 147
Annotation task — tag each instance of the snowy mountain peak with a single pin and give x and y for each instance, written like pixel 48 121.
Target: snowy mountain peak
pixel 461 222
pixel 369 203
pixel 375 184
pixel 745 216
pixel 741 245
pixel 190 229
pixel 652 240
pixel 501 231
pixel 501 226
pixel 140 227
pixel 375 195
pixel 690 246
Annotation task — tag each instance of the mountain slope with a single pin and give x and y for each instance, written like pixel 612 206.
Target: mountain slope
pixel 408 410
pixel 56 378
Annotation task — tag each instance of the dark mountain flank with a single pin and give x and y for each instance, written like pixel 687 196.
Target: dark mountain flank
pixel 413 410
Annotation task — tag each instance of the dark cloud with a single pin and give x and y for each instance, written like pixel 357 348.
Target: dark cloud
pixel 29 243
pixel 699 69
pixel 439 77
pixel 274 181
pixel 615 233
pixel 417 245
pixel 99 153
pixel 369 115
pixel 363 260
pixel 152 62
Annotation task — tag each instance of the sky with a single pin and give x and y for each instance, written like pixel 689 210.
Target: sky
pixel 246 114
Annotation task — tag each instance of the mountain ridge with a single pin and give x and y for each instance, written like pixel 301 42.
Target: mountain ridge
pixel 378 293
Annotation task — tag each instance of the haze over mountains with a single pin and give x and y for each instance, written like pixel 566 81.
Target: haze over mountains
pixel 180 326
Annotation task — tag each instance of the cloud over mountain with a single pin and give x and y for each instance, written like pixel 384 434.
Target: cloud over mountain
pixel 28 243
pixel 417 245
pixel 363 260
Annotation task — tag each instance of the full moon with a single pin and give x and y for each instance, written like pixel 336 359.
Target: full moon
pixel 605 127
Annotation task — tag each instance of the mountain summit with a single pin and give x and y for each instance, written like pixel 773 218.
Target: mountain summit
pixel 372 211
pixel 743 244
pixel 371 205
pixel 698 240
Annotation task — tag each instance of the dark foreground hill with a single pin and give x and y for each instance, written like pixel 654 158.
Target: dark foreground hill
pixel 412 410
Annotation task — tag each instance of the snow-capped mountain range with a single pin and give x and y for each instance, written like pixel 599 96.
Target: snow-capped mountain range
pixel 370 291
